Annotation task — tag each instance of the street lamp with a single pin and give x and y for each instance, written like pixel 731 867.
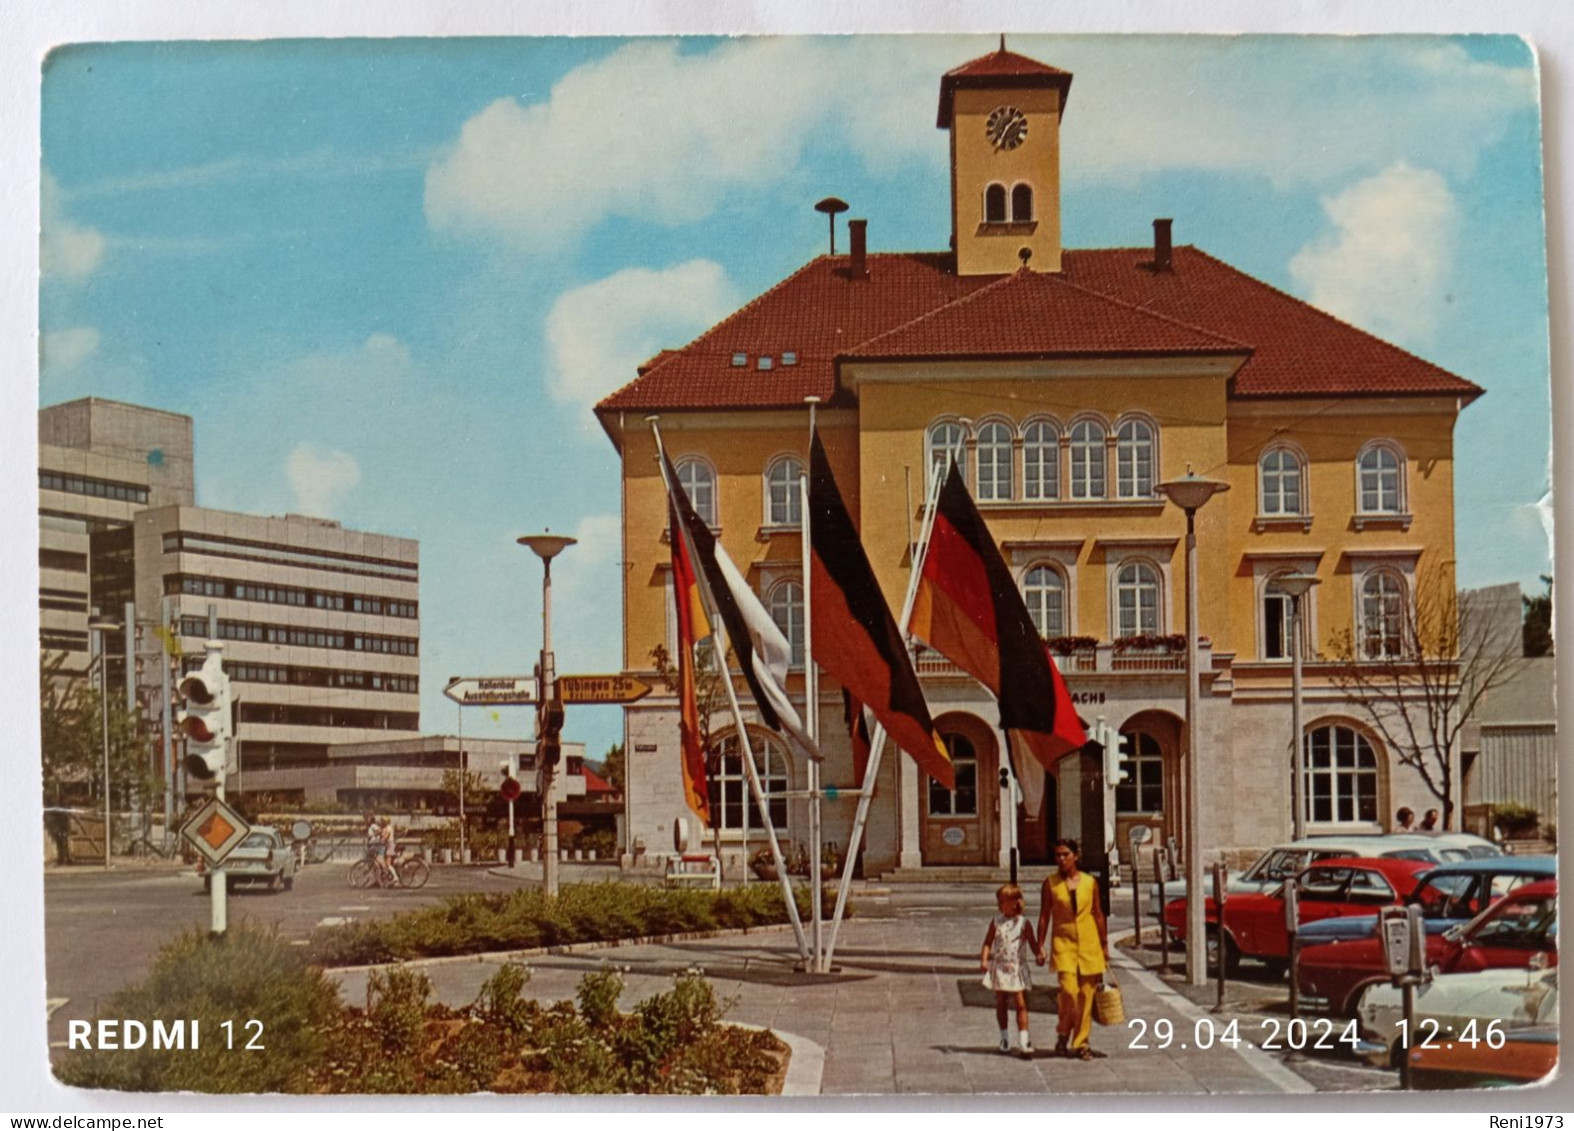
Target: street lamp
pixel 1296 585
pixel 546 547
pixel 98 626
pixel 1189 493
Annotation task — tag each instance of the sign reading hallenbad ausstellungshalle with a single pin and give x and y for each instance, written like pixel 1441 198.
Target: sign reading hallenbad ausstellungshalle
pixel 1092 272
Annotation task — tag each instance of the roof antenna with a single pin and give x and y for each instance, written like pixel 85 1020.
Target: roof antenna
pixel 1024 253
pixel 1002 43
pixel 831 206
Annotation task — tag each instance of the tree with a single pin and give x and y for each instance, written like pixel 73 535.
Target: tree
pixel 615 766
pixel 1538 621
pixel 1421 674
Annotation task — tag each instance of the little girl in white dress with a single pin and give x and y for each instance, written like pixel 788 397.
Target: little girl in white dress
pixel 1004 961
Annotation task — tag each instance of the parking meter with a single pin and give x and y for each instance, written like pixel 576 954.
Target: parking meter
pixel 1404 942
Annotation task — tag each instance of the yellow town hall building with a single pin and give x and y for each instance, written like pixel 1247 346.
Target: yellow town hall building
pixel 1068 383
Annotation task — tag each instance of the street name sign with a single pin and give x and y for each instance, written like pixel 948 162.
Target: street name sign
pixel 214 830
pixel 492 690
pixel 601 688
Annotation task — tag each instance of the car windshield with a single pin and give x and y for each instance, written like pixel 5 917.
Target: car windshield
pixel 1280 864
pixel 257 840
pixel 1525 924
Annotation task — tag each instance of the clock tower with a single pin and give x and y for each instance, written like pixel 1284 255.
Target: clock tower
pixel 1004 111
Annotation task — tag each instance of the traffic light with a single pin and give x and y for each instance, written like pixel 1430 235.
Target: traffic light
pixel 549 731
pixel 1114 750
pixel 205 717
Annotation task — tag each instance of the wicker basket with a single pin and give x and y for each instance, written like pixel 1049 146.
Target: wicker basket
pixel 1109 1006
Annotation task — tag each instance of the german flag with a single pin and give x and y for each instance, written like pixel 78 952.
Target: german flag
pixel 855 636
pixel 968 608
pixel 693 626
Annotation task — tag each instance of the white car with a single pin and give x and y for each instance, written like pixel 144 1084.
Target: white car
pixel 1276 865
pixel 1474 1008
pixel 263 855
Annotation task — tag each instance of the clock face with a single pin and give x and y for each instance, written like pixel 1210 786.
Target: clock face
pixel 1006 128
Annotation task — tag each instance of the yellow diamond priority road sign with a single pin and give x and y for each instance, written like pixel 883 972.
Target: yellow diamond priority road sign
pixel 215 830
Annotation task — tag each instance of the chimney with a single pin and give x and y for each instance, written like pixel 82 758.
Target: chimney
pixel 1162 257
pixel 857 236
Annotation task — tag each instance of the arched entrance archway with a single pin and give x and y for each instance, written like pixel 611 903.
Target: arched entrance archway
pixel 961 826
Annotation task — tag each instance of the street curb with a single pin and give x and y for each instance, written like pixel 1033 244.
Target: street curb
pixel 564 948
pixel 1264 1065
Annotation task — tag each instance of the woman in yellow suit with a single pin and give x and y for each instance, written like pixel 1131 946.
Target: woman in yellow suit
pixel 1079 948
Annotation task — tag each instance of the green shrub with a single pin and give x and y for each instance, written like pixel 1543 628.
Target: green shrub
pixel 526 918
pixel 1515 820
pixel 248 974
pixel 598 996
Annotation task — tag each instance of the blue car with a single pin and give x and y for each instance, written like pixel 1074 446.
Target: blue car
pixel 1448 895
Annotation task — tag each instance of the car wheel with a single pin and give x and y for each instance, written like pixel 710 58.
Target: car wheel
pixel 289 883
pixel 275 881
pixel 1232 956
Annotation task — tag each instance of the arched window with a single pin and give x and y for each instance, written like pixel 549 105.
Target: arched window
pixel 698 481
pixel 783 503
pixel 994 462
pixel 1279 482
pixel 995 204
pixel 1340 777
pixel 1022 204
pixel 1382 615
pixel 962 801
pixel 946 441
pixel 1041 461
pixel 1044 590
pixel 1137 600
pixel 1134 460
pixel 1381 472
pixel 729 783
pixel 1087 460
pixel 1143 760
pixel 787 611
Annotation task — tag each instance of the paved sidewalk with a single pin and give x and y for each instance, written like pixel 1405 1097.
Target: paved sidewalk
pixel 907 1012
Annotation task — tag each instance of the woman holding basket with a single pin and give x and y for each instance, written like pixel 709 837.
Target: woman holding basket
pixel 1078 949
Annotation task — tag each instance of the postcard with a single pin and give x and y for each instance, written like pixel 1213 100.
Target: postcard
pixel 796 566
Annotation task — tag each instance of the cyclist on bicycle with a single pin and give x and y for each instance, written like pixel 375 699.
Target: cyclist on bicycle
pixel 386 859
pixel 375 845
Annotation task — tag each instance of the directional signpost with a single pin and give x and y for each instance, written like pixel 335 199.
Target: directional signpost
pixel 602 688
pixel 524 690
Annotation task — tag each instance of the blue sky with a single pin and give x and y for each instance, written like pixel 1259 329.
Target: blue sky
pixel 388 278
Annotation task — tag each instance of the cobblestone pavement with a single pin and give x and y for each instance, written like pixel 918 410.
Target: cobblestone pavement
pixel 906 1012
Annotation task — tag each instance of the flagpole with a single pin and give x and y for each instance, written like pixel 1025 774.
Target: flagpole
pixel 719 648
pixel 811 691
pixel 877 739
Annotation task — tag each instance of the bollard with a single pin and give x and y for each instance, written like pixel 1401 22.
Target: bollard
pixel 502 856
pixel 1219 872
pixel 1161 857
pixel 1136 892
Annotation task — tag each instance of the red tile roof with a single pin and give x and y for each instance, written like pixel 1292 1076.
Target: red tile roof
pixel 999 70
pixel 1035 315
pixel 594 782
pixel 1106 301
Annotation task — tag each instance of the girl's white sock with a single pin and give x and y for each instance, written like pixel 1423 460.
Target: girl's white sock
pixel 1022 1039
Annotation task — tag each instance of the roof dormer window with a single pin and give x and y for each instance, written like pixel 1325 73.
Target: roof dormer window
pixel 739 360
pixel 764 362
pixel 790 357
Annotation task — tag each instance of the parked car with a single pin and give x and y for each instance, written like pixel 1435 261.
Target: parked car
pixel 263 855
pixel 1448 896
pixel 1280 863
pixel 1254 921
pixel 1474 1009
pixel 1526 1056
pixel 1510 933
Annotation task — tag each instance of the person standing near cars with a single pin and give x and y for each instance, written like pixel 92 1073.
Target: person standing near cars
pixel 1429 823
pixel 1405 820
pixel 1071 917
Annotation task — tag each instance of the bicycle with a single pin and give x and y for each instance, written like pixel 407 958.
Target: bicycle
pixel 404 871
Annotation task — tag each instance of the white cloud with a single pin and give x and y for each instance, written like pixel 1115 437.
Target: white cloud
pixel 600 332
pixel 63 350
pixel 320 478
pixel 1387 262
pixel 657 133
pixel 66 250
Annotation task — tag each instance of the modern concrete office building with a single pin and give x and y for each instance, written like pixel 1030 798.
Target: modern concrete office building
pixel 320 625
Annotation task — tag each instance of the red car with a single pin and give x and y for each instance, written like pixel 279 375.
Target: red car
pixel 1508 934
pixel 1254 921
